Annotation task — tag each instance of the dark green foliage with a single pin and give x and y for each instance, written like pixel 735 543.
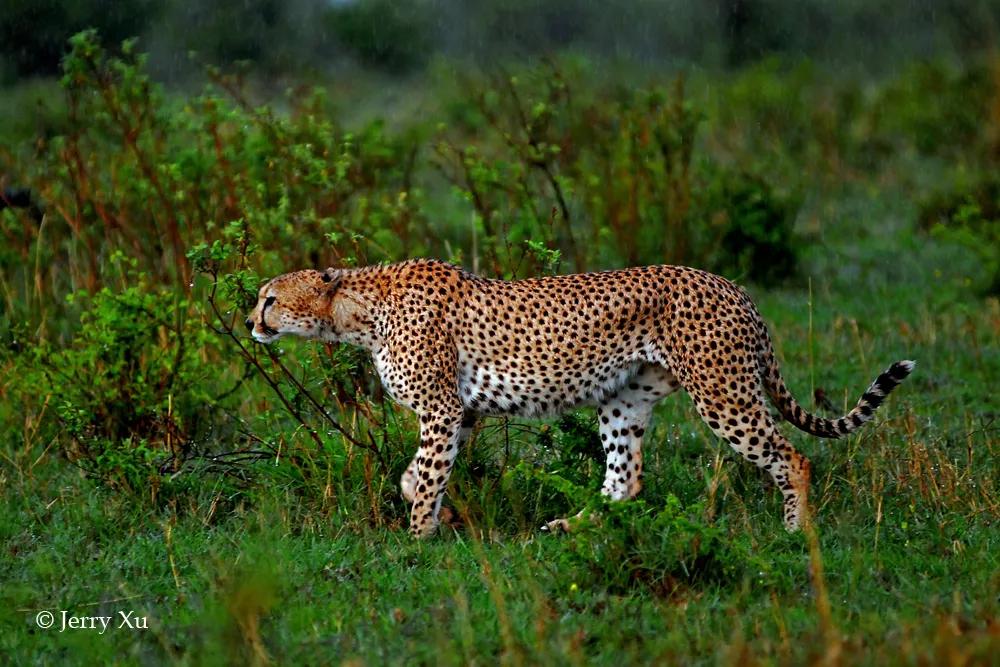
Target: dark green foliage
pixel 293 36
pixel 942 207
pixel 624 548
pixel 658 549
pixel 131 392
pixel 579 439
pixel 758 240
pixel 539 26
pixel 753 29
pixel 608 177
pixel 870 33
pixel 938 109
pixel 395 36
pixel 969 214
pixel 261 23
pixel 33 33
pixel 274 36
pixel 179 172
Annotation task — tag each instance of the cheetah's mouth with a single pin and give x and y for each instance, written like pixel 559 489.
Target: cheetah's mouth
pixel 267 335
pixel 270 333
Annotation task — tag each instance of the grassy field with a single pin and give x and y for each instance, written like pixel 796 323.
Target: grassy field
pixel 168 483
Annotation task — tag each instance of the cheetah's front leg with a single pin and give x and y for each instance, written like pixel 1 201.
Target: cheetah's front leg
pixel 408 483
pixel 427 475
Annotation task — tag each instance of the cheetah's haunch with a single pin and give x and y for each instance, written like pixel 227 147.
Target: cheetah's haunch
pixel 451 345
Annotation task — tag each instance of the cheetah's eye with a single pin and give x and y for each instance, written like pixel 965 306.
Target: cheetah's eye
pixel 268 301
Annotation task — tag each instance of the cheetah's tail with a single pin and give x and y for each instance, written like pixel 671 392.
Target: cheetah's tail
pixel 829 428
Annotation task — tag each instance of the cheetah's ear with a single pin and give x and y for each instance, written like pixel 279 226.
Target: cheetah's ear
pixel 332 278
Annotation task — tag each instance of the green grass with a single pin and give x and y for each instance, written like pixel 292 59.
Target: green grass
pixel 297 571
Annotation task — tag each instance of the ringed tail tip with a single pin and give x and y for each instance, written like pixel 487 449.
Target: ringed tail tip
pixel 899 372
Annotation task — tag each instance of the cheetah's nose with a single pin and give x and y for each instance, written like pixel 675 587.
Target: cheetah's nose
pixel 249 324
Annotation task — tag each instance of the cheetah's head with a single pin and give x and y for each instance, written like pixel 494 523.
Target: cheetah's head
pixel 297 303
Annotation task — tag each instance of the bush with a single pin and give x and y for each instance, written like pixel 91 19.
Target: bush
pixel 755 229
pixel 624 547
pixel 132 390
pixel 938 110
pixel 631 546
pixel 274 37
pixel 140 191
pixel 968 214
pixel 158 175
pixel 782 115
pixel 608 178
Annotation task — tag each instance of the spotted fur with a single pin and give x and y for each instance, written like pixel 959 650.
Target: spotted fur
pixel 451 345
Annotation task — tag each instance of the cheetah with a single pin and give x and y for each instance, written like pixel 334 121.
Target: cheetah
pixel 452 346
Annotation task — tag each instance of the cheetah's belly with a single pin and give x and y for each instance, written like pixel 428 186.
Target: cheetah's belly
pixel 495 389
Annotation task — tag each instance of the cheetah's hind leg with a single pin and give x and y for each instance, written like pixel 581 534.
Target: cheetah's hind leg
pixel 623 419
pixel 749 429
pixel 565 525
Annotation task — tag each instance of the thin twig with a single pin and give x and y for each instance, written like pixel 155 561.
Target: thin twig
pixel 227 330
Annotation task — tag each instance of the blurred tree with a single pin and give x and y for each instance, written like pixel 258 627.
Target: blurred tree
pixel 388 34
pixel 398 36
pixel 974 25
pixel 542 25
pixel 273 35
pixel 753 29
pixel 33 33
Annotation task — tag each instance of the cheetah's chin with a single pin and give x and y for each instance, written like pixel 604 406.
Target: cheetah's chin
pixel 267 338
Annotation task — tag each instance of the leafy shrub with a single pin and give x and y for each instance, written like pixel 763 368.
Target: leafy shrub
pixel 274 36
pixel 152 176
pixel 756 28
pixel 607 178
pixel 33 33
pixel 158 185
pixel 937 109
pixel 132 387
pixel 781 116
pixel 769 106
pixel 969 214
pixel 630 546
pixel 579 439
pixel 623 547
pixel 756 235
pixel 981 190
